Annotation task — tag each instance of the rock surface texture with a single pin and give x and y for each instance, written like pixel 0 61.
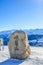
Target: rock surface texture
pixel 18 45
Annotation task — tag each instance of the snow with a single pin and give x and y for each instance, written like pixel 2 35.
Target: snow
pixel 4 55
pixel 36 57
pixel 40 40
pixel 33 41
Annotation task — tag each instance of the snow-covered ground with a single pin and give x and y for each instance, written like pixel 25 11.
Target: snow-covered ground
pixel 36 57
pixel 4 55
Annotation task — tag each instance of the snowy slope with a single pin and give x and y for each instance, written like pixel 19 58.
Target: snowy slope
pixel 36 57
pixel 36 42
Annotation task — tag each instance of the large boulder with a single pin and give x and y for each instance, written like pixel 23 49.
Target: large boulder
pixel 18 45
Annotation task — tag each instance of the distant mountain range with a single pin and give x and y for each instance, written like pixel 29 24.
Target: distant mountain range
pixel 28 31
pixel 34 31
pixel 34 36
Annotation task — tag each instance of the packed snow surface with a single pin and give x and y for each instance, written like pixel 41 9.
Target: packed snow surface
pixel 36 57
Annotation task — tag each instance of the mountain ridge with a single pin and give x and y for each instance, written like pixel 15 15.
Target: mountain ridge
pixel 28 31
pixel 33 35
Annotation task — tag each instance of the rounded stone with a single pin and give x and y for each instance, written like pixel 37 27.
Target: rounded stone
pixel 18 45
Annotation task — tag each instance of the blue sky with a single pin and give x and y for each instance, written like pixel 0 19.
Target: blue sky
pixel 21 14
